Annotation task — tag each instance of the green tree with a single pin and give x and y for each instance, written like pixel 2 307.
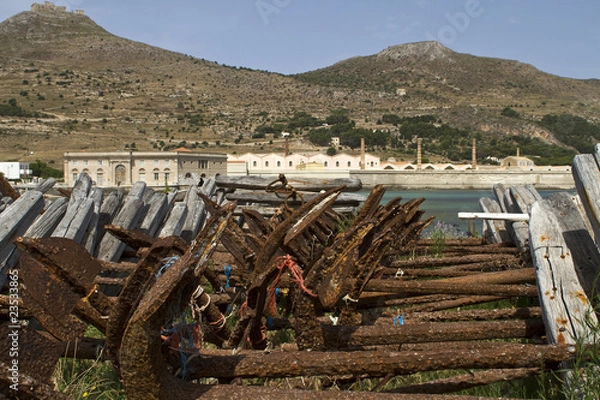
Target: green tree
pixel 509 112
pixel 43 170
pixel 340 116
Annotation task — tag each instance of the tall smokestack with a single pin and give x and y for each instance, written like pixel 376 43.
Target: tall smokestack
pixel 362 153
pixel 419 144
pixel 518 152
pixel 287 147
pixel 474 155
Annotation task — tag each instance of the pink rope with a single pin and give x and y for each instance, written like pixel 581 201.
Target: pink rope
pixel 283 263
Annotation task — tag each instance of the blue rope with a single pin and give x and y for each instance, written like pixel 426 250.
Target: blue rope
pixel 399 320
pixel 167 262
pixel 227 269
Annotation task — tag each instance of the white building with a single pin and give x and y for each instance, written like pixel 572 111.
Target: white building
pixel 15 170
pixel 320 164
pixel 123 168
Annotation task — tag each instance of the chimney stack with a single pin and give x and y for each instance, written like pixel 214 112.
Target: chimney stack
pixel 419 144
pixel 474 155
pixel 362 153
pixel 287 147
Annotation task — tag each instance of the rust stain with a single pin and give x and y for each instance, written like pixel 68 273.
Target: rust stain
pixel 562 321
pixel 561 338
pixel 582 297
pixel 544 237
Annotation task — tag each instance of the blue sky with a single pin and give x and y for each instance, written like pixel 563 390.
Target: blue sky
pixel 291 36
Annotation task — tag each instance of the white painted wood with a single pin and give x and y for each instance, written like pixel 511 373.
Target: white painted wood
pixel 493 216
pixel 566 308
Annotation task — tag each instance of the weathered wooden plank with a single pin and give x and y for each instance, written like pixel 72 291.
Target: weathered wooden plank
pixel 493 231
pixel 301 184
pixel 109 209
pixel 519 231
pixel 5 202
pixel 47 222
pixel 91 235
pixel 440 287
pixel 80 209
pixel 340 337
pixel 524 196
pixel 242 197
pixel 586 257
pixel 171 196
pixel 111 248
pixel 467 381
pixel 137 191
pixel 81 188
pixel 175 221
pixel 14 222
pixel 566 308
pixel 587 182
pixel 195 215
pixel 45 185
pixel 158 207
pixel 373 363
pixel 75 221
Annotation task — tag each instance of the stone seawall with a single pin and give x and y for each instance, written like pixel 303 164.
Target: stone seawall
pixel 426 179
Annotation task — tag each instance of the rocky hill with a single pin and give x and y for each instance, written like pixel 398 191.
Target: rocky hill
pixel 81 88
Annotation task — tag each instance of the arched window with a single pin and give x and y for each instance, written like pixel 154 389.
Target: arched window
pixel 142 175
pixel 349 163
pixel 337 163
pixel 326 164
pixel 291 164
pixel 279 163
pixel 254 163
pixel 266 163
pixel 120 174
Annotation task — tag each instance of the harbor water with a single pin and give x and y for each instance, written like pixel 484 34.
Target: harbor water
pixel 445 205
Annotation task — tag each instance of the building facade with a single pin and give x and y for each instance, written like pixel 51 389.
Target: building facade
pixel 123 168
pixel 15 170
pixel 273 163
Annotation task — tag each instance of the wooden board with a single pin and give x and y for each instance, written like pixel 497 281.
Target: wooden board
pixel 565 306
pixel 14 222
pixel 302 184
pixel 249 197
pixel 47 222
pixel 587 182
pixel 493 231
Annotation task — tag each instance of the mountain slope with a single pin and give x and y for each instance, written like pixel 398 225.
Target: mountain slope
pixel 431 67
pixel 109 93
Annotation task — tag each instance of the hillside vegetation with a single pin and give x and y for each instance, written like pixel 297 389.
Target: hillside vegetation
pixel 66 84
